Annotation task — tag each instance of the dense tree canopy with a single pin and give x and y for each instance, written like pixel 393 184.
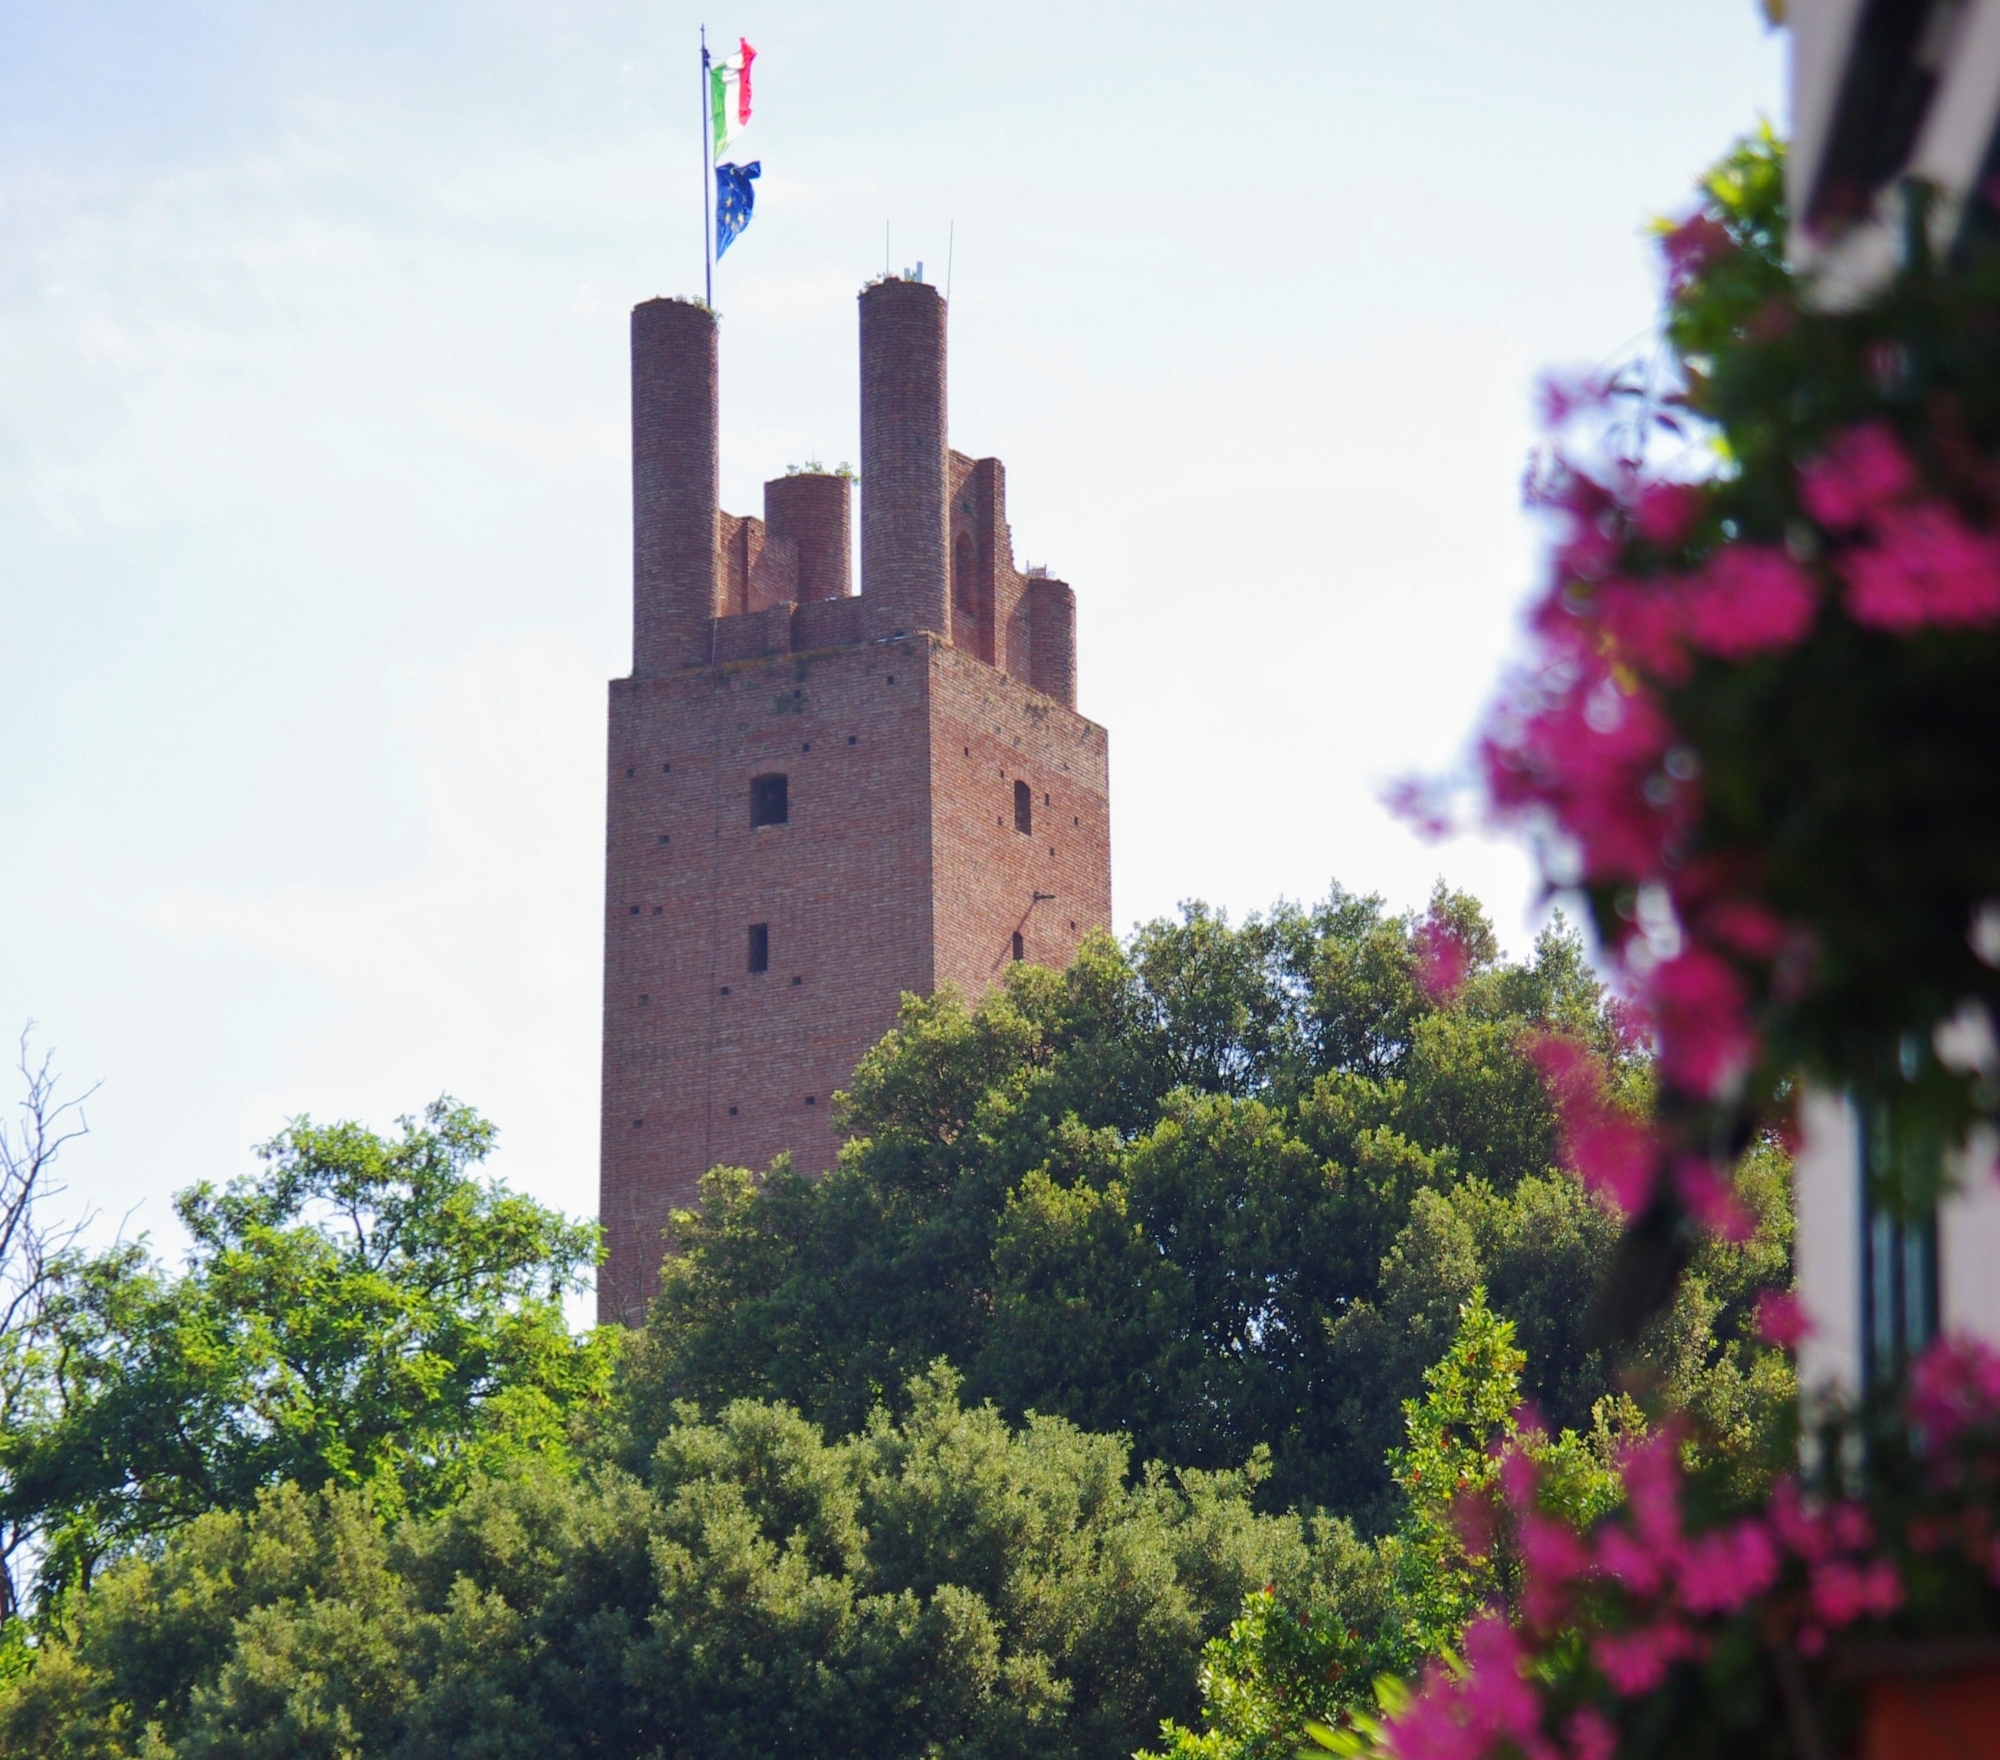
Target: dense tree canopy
pixel 362 1311
pixel 1152 1313
pixel 1224 1191
pixel 943 1585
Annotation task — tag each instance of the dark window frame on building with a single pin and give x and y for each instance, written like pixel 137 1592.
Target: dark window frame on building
pixel 759 949
pixel 1024 809
pixel 1020 947
pixel 770 799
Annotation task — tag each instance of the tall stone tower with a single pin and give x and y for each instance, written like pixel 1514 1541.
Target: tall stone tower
pixel 819 800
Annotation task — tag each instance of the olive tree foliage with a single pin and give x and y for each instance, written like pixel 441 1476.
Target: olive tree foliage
pixel 1225 1188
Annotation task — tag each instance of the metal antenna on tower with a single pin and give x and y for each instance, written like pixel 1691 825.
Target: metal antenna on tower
pixel 950 239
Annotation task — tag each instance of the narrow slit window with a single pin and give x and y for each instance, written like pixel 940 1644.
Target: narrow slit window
pixel 1024 809
pixel 770 800
pixel 1020 947
pixel 760 947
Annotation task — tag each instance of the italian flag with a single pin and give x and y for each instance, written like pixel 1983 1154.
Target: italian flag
pixel 729 95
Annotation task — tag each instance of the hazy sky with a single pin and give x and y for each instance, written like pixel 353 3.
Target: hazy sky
pixel 314 504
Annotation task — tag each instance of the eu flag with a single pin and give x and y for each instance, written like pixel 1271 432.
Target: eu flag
pixel 734 200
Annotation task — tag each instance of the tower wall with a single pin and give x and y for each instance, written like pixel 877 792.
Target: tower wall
pixel 810 511
pixel 705 1062
pixel 900 863
pixel 1051 884
pixel 905 568
pixel 1052 639
pixel 675 484
pixel 898 869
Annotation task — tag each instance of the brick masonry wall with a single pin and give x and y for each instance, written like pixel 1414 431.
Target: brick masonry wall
pixel 904 565
pixel 989 731
pixel 675 476
pixel 1052 638
pixel 900 866
pixel 706 1063
pixel 811 511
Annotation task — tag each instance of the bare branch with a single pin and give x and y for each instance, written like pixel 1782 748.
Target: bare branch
pixel 35 1258
pixel 44 1124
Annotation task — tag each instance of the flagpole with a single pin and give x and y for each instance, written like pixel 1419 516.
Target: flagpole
pixel 707 177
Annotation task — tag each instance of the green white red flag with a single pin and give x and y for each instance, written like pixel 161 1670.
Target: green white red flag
pixel 729 95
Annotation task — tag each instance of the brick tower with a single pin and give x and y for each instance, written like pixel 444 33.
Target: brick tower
pixel 819 800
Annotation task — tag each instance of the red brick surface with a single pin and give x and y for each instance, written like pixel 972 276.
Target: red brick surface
pixel 900 867
pixel 675 483
pixel 904 566
pixel 810 511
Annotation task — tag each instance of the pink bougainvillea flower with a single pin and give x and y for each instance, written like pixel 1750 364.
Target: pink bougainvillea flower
pixel 1630 1562
pixel 1711 1200
pixel 1818 1533
pixel 1589 549
pixel 1637 1662
pixel 1519 1476
pixel 1612 1152
pixel 1700 1009
pixel 1561 396
pixel 1644 1556
pixel 1666 512
pixel 1781 1319
pixel 1423 804
pixel 1648 624
pixel 1722 1570
pixel 1691 249
pixel 1955 1388
pixel 1843 1590
pixel 1443 959
pixel 1488 1708
pixel 1476 1522
pixel 1589 1735
pixel 1750 599
pixel 1744 928
pixel 1860 474
pixel 1650 1469
pixel 1585 753
pixel 1926 568
pixel 1556 1557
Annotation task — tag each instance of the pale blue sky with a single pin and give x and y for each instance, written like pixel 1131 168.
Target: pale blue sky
pixel 314 513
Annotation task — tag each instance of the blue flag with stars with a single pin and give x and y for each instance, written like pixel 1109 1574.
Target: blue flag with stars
pixel 734 201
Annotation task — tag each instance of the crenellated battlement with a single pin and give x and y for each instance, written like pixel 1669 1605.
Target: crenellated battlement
pixel 937 554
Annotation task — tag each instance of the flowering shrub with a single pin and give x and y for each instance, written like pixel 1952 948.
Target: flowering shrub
pixel 1758 725
pixel 1688 1622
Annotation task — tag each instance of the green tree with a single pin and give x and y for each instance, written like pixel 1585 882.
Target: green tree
pixel 942 1584
pixel 1374 1610
pixel 1224 1189
pixel 363 1311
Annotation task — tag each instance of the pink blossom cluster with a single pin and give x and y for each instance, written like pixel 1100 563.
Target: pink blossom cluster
pixel 1918 562
pixel 1621 1157
pixel 1589 749
pixel 1443 959
pixel 1654 1592
pixel 1954 1391
pixel 1488 1705
pixel 1692 248
pixel 1615 1154
pixel 1954 1407
pixel 1588 753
